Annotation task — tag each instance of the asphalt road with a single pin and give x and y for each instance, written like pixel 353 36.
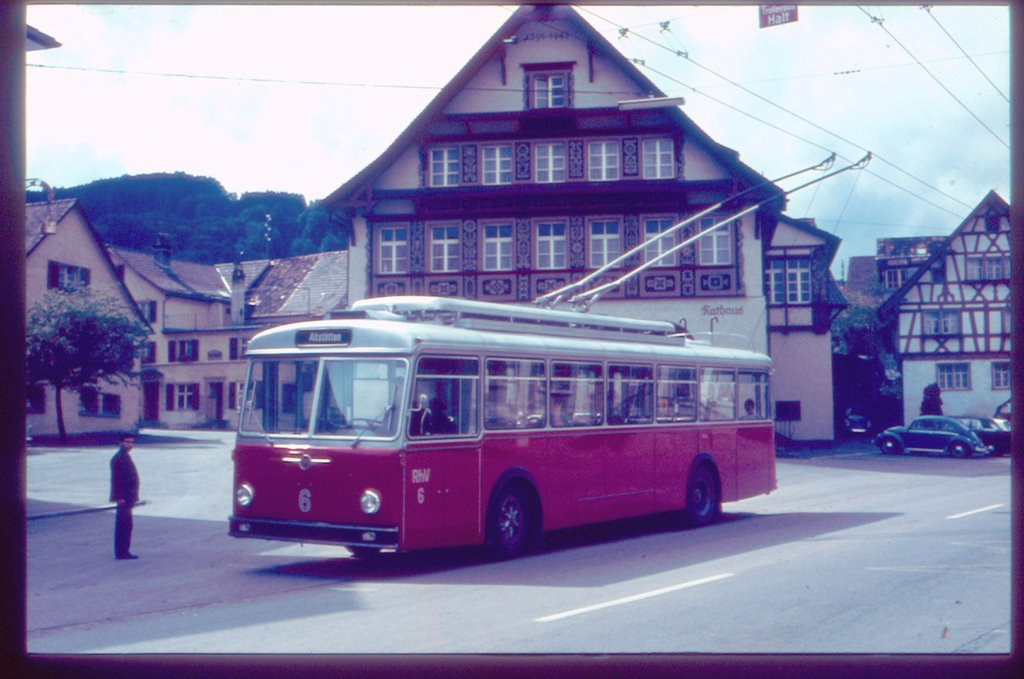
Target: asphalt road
pixel 854 553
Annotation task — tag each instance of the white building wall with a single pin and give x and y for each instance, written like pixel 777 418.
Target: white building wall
pixel 73 244
pixel 980 399
pixel 807 378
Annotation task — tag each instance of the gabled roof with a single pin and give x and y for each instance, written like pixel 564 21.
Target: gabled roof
pixel 294 286
pixel 810 227
pixel 992 199
pixel 527 13
pixel 38 215
pixel 177 278
pixel 43 220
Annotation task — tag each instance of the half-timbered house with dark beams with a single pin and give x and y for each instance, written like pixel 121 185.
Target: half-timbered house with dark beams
pixel 547 156
pixel 951 318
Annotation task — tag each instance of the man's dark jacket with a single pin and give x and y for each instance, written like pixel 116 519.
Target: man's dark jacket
pixel 124 478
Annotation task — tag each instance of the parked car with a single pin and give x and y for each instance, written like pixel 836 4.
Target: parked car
pixel 856 422
pixel 932 434
pixel 993 432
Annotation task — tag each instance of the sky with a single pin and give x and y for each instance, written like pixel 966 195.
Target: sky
pixel 299 99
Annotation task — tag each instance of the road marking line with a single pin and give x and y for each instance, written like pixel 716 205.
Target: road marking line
pixel 974 511
pixel 635 597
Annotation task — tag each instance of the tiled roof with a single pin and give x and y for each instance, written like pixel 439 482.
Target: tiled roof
pixel 38 214
pixel 178 278
pixel 307 285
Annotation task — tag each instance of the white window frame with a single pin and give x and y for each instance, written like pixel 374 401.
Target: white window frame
pixel 1001 375
pixel 953 376
pixel 497 164
pixel 652 250
pixel 658 158
pixel 394 252
pixel 549 163
pixel 715 249
pixel 605 241
pixel 497 247
pixel 445 166
pixel 603 161
pixel 893 278
pixel 183 394
pixel 549 89
pixel 798 281
pixel 941 322
pixel 551 242
pixel 444 248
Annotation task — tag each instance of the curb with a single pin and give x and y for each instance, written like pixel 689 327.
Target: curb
pixel 79 510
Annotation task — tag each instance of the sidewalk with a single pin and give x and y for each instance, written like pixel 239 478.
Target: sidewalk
pixel 803 450
pixel 74 477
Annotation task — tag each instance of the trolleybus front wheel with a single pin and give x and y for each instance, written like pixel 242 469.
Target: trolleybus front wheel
pixel 510 523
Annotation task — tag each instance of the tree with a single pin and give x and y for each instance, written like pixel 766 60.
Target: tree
pixel 77 339
pixel 931 403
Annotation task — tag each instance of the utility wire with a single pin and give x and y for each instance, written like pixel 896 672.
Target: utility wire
pixel 928 9
pixel 881 25
pixel 685 55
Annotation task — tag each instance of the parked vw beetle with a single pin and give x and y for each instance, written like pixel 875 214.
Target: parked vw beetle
pixel 932 434
pixel 995 433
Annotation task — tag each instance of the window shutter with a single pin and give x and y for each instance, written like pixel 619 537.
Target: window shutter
pixel 85 278
pixel 52 275
pixel 171 353
pixel 170 397
pixel 193 396
pixel 195 350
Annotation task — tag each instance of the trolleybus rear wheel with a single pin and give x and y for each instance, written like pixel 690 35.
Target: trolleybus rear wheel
pixel 703 502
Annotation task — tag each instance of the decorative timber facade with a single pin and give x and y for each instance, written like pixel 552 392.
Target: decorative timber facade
pixel 546 157
pixel 951 318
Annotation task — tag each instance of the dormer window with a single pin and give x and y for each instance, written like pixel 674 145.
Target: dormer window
pixel 548 85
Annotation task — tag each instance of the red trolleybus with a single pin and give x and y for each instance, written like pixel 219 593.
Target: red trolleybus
pixel 419 422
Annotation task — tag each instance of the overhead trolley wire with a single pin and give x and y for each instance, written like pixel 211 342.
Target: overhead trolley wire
pixel 928 9
pixel 685 55
pixel 881 24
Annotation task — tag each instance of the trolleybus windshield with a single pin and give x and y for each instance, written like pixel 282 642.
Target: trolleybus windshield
pixel 348 397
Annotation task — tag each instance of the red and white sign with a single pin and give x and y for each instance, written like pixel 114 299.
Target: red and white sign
pixel 775 15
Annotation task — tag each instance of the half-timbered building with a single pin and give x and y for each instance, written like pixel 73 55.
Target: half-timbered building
pixel 548 156
pixel 951 318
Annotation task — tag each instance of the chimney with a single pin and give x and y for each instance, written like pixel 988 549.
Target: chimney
pixel 162 250
pixel 238 295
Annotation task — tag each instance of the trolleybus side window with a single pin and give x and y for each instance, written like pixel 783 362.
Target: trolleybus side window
pixel 677 394
pixel 577 394
pixel 717 394
pixel 444 397
pixel 516 394
pixel 630 394
pixel 752 389
pixel 280 396
pixel 360 397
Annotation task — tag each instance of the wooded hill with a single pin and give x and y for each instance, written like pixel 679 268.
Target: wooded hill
pixel 205 223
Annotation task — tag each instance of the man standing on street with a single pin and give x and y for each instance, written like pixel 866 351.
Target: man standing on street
pixel 124 490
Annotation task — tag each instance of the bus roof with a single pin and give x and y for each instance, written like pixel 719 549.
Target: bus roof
pixel 402 325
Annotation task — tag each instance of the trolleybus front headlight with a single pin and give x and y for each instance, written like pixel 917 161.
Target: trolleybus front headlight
pixel 369 502
pixel 243 496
